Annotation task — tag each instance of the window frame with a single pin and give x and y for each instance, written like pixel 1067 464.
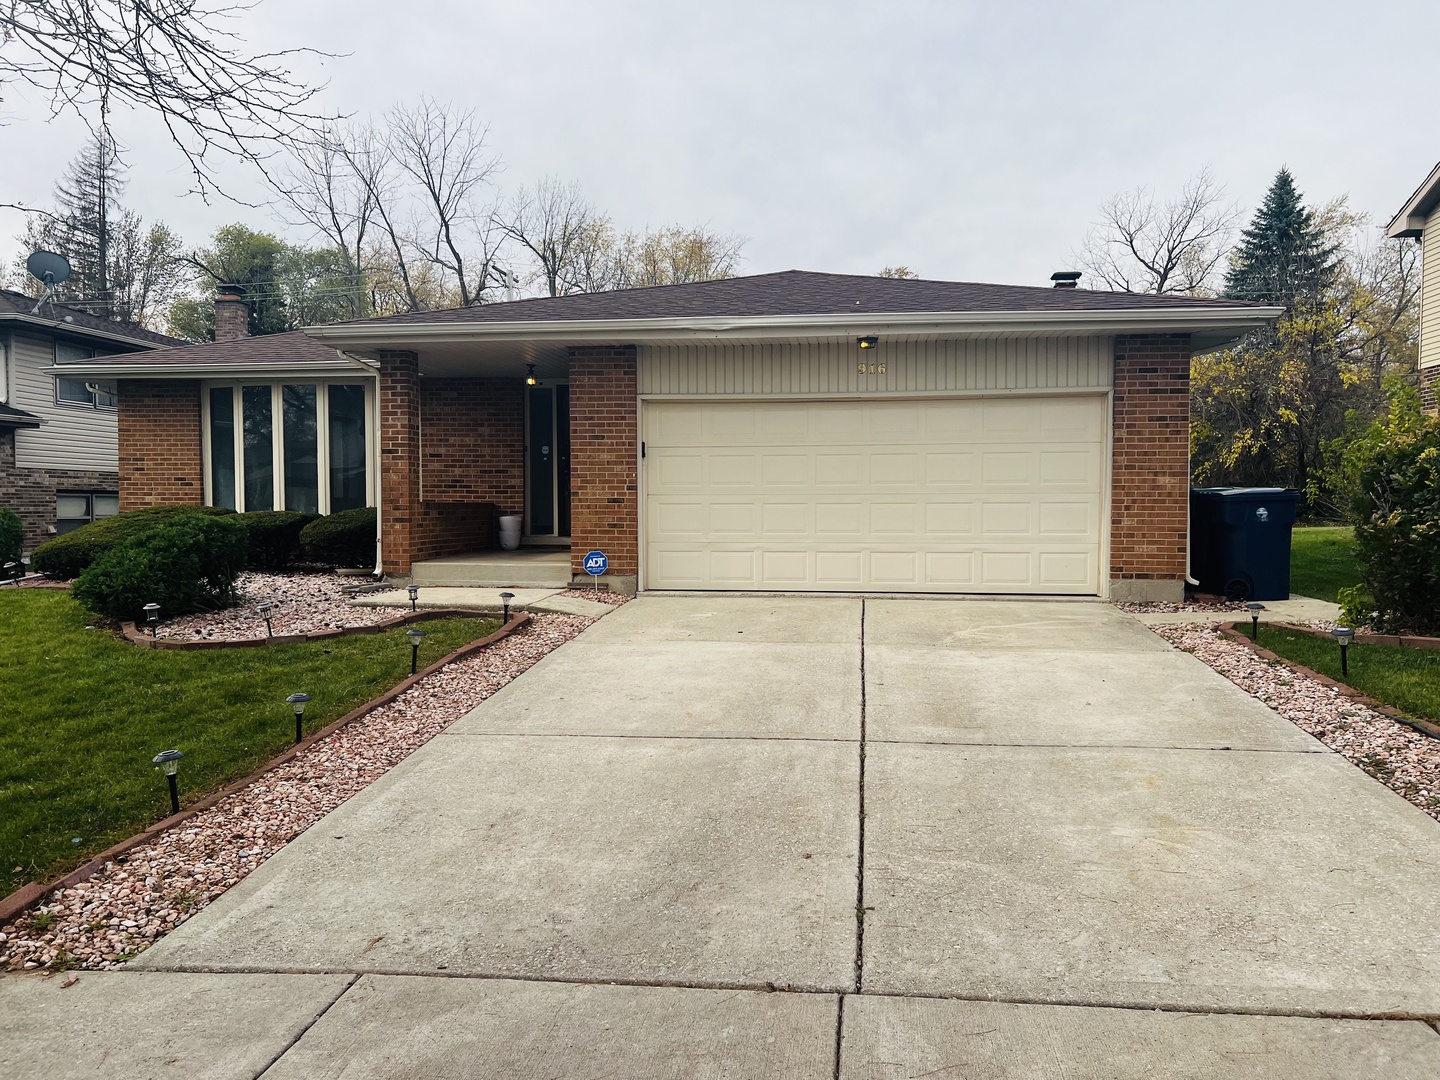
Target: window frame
pixel 91 516
pixel 277 442
pixel 89 354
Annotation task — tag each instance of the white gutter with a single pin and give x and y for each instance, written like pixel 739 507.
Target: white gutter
pixel 254 369
pixel 1127 320
pixel 76 328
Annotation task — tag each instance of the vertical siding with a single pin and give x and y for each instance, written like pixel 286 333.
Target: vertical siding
pixel 72 437
pixel 823 368
pixel 1430 293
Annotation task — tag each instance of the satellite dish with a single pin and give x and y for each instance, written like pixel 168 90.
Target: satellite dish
pixel 50 268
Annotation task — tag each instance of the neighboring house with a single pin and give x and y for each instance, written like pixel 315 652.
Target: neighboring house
pixel 1420 218
pixel 57 430
pixel 784 432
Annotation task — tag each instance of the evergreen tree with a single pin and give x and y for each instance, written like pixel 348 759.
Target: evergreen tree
pixel 1283 257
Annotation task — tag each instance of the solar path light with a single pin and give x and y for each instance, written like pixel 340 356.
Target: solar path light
pixel 169 762
pixel 152 616
pixel 414 591
pixel 1255 610
pixel 12 572
pixel 297 702
pixel 505 598
pixel 416 637
pixel 1344 635
pixel 267 612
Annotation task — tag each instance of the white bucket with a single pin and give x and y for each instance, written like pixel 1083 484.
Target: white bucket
pixel 510 532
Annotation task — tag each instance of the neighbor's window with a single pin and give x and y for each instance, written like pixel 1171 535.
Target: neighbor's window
pixel 293 446
pixel 74 510
pixel 92 393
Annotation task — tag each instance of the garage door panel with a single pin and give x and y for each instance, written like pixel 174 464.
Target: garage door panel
pixel 943 495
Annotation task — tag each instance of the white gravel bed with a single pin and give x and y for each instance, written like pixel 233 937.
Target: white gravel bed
pixel 601 596
pixel 304 604
pixel 1163 607
pixel 1400 757
pixel 117 913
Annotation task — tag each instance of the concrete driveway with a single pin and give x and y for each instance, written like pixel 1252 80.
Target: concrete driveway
pixel 814 838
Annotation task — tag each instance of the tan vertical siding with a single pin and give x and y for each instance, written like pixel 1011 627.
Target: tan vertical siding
pixel 73 437
pixel 1430 293
pixel 824 368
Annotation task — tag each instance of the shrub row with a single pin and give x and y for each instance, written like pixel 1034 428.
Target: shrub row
pixel 185 564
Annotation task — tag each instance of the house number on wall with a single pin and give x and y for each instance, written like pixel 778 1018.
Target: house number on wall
pixel 871 369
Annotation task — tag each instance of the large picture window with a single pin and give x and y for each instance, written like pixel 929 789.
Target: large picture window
pixel 288 446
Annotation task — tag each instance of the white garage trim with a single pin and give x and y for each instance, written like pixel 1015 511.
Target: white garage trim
pixel 987 493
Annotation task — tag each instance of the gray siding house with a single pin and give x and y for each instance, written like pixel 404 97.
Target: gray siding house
pixel 58 441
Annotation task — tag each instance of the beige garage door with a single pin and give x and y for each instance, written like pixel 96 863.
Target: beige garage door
pixel 995 495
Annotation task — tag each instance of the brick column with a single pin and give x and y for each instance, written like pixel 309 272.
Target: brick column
pixel 1150 473
pixel 1429 381
pixel 161 463
pixel 604 448
pixel 399 459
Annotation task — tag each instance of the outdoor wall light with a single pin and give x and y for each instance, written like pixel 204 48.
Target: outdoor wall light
pixel 1255 610
pixel 266 610
pixel 169 762
pixel 1344 635
pixel 297 702
pixel 152 616
pixel 414 591
pixel 530 379
pixel 505 598
pixel 416 637
pixel 869 341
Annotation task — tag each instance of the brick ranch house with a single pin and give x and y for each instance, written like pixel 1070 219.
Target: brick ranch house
pixel 784 432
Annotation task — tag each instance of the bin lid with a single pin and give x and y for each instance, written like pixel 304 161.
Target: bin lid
pixel 1245 491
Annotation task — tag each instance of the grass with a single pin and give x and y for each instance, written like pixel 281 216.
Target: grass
pixel 1322 561
pixel 83 712
pixel 1405 679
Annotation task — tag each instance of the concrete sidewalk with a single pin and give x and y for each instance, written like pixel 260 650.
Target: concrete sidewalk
pixel 998 834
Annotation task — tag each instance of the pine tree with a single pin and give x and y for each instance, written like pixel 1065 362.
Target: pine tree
pixel 87 201
pixel 1283 256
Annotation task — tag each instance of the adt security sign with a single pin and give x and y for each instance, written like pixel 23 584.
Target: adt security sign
pixel 596 563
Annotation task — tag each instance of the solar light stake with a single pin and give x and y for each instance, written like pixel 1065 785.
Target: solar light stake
pixel 415 636
pixel 297 702
pixel 1344 635
pixel 505 598
pixel 414 591
pixel 1255 610
pixel 152 615
pixel 169 762
pixel 10 572
pixel 266 610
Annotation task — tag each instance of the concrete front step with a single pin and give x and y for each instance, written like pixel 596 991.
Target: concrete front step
pixel 497 569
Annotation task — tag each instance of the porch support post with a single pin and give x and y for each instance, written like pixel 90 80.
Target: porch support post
pixel 604 461
pixel 399 459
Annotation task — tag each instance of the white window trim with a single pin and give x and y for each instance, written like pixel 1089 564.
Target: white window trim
pixel 94 406
pixel 277 438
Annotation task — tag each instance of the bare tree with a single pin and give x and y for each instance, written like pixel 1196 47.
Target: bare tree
pixel 897 272
pixel 675 255
pixel 1141 245
pixel 561 231
pixel 173 57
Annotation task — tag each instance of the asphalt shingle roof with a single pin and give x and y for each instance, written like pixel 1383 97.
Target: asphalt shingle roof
pixel 17 303
pixel 287 348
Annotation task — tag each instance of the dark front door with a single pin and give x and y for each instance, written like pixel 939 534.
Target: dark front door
pixel 547 461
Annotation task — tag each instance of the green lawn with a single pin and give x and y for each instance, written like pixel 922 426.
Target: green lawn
pixel 1322 561
pixel 82 713
pixel 1406 679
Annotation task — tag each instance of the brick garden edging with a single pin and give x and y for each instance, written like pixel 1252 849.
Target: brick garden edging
pixel 133 634
pixel 27 896
pixel 1232 630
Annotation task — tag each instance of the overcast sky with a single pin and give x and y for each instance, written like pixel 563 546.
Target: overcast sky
pixel 970 141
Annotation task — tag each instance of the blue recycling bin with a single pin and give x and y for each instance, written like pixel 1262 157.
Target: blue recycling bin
pixel 1240 541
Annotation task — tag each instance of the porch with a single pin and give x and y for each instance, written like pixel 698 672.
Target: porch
pixel 526 568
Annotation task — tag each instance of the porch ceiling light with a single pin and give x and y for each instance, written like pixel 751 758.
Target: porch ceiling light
pixel 530 379
pixel 869 341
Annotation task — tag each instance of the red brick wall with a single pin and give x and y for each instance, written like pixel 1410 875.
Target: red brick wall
pixel 160 456
pixel 1429 381
pixel 454 528
pixel 472 439
pixel 399 459
pixel 604 448
pixel 1150 476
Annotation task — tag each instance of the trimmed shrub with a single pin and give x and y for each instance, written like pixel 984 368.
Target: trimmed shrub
pixel 185 565
pixel 1397 532
pixel 67 556
pixel 12 538
pixel 343 539
pixel 274 537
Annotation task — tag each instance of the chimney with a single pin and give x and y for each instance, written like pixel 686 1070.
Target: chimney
pixel 1065 279
pixel 232 313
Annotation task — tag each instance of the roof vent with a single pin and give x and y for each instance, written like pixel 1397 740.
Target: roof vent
pixel 1065 279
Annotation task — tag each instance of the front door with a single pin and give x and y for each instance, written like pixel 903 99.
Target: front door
pixel 547 461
